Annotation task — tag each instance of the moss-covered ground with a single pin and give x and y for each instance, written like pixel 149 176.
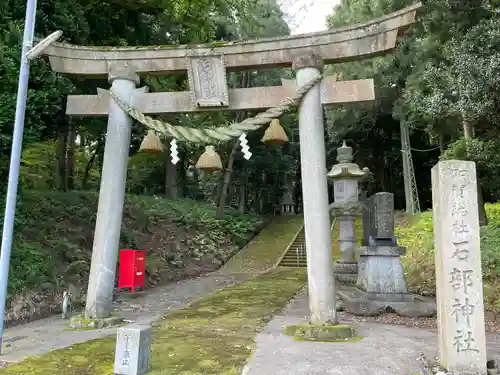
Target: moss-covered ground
pixel 214 335
pixel 265 250
pixel 326 333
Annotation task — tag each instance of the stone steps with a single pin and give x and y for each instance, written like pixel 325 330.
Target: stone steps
pixel 296 254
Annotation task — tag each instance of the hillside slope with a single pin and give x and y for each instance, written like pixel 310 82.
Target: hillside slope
pixel 54 235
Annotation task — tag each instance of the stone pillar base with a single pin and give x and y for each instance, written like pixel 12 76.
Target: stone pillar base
pixel 361 303
pixel 380 270
pixel 346 273
pixel 381 286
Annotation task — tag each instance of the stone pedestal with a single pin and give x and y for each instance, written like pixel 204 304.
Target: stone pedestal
pixel 380 270
pixel 381 285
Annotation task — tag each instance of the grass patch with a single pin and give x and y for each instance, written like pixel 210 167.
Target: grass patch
pixel 212 336
pixel 267 248
pixel 325 333
pixel 417 236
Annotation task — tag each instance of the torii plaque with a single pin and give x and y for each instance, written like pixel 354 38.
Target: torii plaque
pixel 206 67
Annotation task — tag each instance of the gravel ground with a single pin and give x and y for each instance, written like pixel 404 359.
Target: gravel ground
pixel 427 323
pixel 491 325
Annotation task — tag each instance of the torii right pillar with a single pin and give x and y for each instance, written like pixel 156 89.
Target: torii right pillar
pixel 315 195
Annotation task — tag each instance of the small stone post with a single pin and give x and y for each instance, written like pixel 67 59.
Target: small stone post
pixel 315 194
pixel 346 208
pixel 111 197
pixel 459 286
pixel 133 350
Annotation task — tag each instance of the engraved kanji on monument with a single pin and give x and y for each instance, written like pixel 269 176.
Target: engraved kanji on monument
pixel 133 347
pixel 208 81
pixel 459 286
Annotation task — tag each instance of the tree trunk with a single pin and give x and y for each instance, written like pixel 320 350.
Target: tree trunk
pixel 264 196
pixel 90 164
pixel 441 141
pixel 468 129
pixel 71 158
pixel 243 194
pixel 62 148
pixel 196 181
pixel 227 179
pixel 171 177
pixel 182 177
pixel 245 82
pixel 468 135
pixel 256 201
pixel 483 218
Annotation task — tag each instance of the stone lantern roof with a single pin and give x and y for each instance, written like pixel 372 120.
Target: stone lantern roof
pixel 346 169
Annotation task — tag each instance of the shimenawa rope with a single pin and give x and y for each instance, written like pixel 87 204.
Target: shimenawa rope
pixel 223 133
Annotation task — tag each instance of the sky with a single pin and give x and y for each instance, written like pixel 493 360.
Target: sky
pixel 314 16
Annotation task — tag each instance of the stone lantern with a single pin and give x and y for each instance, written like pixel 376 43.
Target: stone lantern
pixel 288 202
pixel 346 208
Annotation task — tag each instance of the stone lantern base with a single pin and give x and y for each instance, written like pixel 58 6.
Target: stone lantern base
pixel 346 273
pixel 358 302
pixel 381 286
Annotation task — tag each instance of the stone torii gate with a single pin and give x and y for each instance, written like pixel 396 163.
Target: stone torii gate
pixel 206 67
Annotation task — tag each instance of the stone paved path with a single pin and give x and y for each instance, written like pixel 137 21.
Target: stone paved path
pixel 44 335
pixel 385 350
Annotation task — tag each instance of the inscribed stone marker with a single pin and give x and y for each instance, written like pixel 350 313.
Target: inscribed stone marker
pixel 378 220
pixel 133 347
pixel 383 215
pixel 459 287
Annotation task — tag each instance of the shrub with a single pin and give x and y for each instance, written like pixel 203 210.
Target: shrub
pixel 54 232
pixel 418 237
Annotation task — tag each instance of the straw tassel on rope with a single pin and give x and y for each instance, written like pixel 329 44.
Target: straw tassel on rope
pixel 151 143
pixel 209 161
pixel 275 134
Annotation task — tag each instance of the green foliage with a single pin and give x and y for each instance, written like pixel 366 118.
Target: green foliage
pixel 144 167
pixel 418 238
pixel 38 166
pixel 484 152
pixel 443 73
pixel 29 266
pixel 53 234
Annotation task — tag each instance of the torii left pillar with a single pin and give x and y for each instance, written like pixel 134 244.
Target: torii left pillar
pixel 315 194
pixel 111 197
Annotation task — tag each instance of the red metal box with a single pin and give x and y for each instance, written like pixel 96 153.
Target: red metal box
pixel 132 269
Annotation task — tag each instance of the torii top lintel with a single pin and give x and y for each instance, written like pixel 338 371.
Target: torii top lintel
pixel 337 45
